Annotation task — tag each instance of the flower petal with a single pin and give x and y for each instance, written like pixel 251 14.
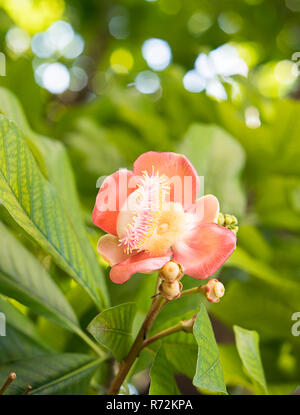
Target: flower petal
pixel 207 209
pixel 109 248
pixel 141 262
pixel 185 181
pixel 110 199
pixel 205 250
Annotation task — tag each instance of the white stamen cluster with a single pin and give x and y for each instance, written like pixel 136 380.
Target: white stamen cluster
pixel 149 199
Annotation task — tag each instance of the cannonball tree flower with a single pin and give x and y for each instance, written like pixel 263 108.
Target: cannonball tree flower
pixel 152 215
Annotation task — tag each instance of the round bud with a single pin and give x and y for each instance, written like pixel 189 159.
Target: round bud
pixel 214 290
pixel 170 271
pixel 170 290
pixel 219 289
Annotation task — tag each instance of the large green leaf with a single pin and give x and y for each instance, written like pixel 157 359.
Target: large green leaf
pixel 162 376
pixel 113 328
pixel 209 373
pixel 289 290
pixel 21 339
pixel 220 160
pixel 232 367
pixel 247 343
pixel 23 278
pixel 53 160
pixel 183 357
pixel 34 204
pixel 251 305
pixel 54 374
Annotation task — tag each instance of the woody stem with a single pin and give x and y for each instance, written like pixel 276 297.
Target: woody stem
pixel 163 333
pixel 9 380
pixel 157 304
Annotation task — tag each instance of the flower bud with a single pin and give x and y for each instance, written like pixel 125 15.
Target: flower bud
pixel 221 219
pixel 171 271
pixel 170 290
pixel 214 290
pixel 229 222
pixel 234 229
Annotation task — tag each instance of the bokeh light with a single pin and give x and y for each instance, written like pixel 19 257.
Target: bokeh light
pixel 79 79
pixel 41 45
pixel 55 78
pixel 230 22
pixel 34 16
pixel 215 89
pixel 219 64
pixel 157 53
pixel 74 48
pixel 276 79
pixel 226 61
pixel 193 82
pixel 121 61
pixel 198 23
pixel 118 26
pixel 147 82
pixel 17 40
pixel 252 118
pixel 293 5
pixel 60 34
pixel 170 6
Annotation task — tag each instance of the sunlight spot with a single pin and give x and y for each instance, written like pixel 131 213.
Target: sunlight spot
pixel 56 78
pixel 252 117
pixel 198 23
pixel 17 40
pixel 118 27
pixel 60 34
pixel 230 22
pixel 147 82
pixel 121 61
pixel 193 82
pixel 157 53
pixel 79 79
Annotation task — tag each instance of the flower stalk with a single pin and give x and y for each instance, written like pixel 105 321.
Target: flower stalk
pixel 169 289
pixel 185 325
pixel 11 377
pixel 157 304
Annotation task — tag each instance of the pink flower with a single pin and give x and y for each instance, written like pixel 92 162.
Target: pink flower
pixel 151 216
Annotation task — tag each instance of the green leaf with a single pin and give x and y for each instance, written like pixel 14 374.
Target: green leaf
pixel 183 357
pixel 255 307
pixel 219 158
pixel 289 290
pixel 34 204
pixel 22 339
pixel 54 374
pixel 162 376
pixel 209 373
pixel 247 343
pixel 232 367
pixel 113 328
pixel 54 162
pixel 23 278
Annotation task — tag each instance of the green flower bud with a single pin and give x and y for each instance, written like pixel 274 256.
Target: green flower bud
pixel 221 219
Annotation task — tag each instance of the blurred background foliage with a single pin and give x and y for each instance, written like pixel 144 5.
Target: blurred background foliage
pixel 215 80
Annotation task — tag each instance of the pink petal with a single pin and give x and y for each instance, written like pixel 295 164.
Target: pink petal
pixel 111 196
pixel 141 262
pixel 175 166
pixel 206 209
pixel 205 250
pixel 109 248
